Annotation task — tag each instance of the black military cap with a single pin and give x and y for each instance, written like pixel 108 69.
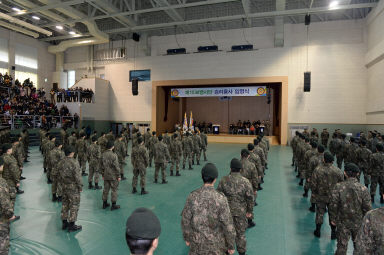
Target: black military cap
pixel 110 144
pixel 175 135
pixel 94 138
pixel 6 147
pixel 255 141
pixel 14 139
pixel 236 164
pixel 160 138
pixel 210 170
pixel 143 224
pixel 244 152
pixel 351 168
pixel 58 143
pixel 250 146
pixel 328 158
pixel 68 150
pixel 379 147
pixel 320 148
pixel 51 137
pixel 140 140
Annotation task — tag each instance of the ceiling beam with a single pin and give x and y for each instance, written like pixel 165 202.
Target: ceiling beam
pixel 48 7
pixel 247 10
pixel 279 24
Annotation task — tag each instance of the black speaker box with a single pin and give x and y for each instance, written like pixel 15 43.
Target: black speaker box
pixel 307 20
pixel 135 37
pixel 135 87
pixel 307 81
pixel 13 68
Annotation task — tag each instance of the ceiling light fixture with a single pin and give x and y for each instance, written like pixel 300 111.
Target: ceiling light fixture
pixel 59 27
pixel 333 4
pixel 85 41
pixel 72 33
pixel 16 9
pixel 35 17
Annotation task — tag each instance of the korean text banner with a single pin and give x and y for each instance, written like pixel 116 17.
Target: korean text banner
pixel 220 92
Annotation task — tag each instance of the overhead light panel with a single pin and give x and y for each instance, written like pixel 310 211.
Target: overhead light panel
pixel 59 27
pixel 16 9
pixel 333 4
pixel 35 17
pixel 72 33
pixel 85 41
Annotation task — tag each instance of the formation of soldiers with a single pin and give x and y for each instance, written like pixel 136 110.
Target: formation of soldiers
pixel 339 191
pixel 215 221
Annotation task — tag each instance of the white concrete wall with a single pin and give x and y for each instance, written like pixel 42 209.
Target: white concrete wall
pixel 336 51
pixel 375 63
pixel 101 108
pixel 46 61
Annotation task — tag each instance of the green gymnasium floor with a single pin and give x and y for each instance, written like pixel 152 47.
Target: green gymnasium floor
pixel 284 225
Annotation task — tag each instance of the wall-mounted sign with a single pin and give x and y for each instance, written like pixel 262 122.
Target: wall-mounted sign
pixel 220 92
pixel 141 75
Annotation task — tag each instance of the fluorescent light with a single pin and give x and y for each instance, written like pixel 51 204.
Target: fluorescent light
pixel 72 33
pixel 333 4
pixel 35 17
pixel 16 9
pixel 85 41
pixel 59 27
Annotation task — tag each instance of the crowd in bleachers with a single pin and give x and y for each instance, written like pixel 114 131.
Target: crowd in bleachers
pixel 76 94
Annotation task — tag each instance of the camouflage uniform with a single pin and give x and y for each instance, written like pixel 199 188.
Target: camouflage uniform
pixel 255 159
pixel 314 136
pixel 94 156
pixel 64 137
pixel 70 177
pixel 147 136
pixel 306 174
pixel 176 151
pixel 259 151
pixel 102 142
pixel 334 145
pixel 294 143
pixel 350 201
pixel 340 152
pixel 323 180
pixel 81 149
pixel 239 193
pixel 303 148
pixel 350 153
pixel 47 147
pixel 314 162
pixel 140 161
pixel 249 171
pixel 110 169
pixel 370 238
pixel 12 175
pixel 55 156
pixel 324 138
pixel 167 140
pixel 110 137
pixel 187 151
pixel 72 141
pixel 207 223
pixel 120 151
pixel 6 210
pixel 204 144
pixel 151 144
pixel 364 159
pixel 161 155
pixel 377 172
pixel 196 149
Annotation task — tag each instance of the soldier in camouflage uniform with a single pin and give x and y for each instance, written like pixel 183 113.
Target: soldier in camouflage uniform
pixel 350 152
pixel 334 144
pixel 147 136
pixel 324 137
pixel 364 159
pixel 340 150
pixel 306 174
pixel 102 142
pixel 259 151
pixel 176 151
pixel 162 157
pixel 187 150
pixel 120 151
pixel 294 144
pixel 151 147
pixel 11 172
pixel 196 149
pixel 303 148
pixel 370 238
pixel 93 135
pixel 6 212
pixel 239 193
pixel 18 154
pixel 207 222
pixel 249 171
pixel 81 149
pixel 55 156
pixel 377 172
pixel 63 134
pixel 140 161
pixel 323 180
pixel 350 201
pixel 255 159
pixel 110 136
pixel 72 140
pixel 167 139
pixel 314 162
pixel 110 169
pixel 314 136
pixel 204 145
pixel 70 177
pixel 94 156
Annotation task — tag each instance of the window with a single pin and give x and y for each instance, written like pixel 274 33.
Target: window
pixel 22 76
pixel 3 70
pixel 71 78
pixel 25 56
pixel 3 54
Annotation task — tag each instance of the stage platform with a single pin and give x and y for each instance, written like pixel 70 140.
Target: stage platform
pixel 240 139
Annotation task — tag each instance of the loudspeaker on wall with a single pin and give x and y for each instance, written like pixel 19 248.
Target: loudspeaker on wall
pixel 135 87
pixel 307 81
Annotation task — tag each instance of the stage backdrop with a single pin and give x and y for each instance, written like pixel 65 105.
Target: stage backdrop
pixel 225 112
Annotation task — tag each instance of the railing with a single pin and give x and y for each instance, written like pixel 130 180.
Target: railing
pixel 36 121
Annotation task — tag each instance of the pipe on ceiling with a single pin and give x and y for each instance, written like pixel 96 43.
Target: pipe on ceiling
pixel 19 29
pixel 24 24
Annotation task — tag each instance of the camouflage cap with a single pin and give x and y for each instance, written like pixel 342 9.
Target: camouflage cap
pixel 351 168
pixel 328 158
pixel 236 164
pixel 6 147
pixel 251 147
pixel 110 144
pixel 68 150
pixel 143 224
pixel 140 140
pixel 58 143
pixel 210 170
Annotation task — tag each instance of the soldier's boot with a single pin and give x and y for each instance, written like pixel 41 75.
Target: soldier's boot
pixel 198 162
pixel 301 182
pixel 251 224
pixel 19 191
pixel 49 181
pixel 134 190
pixel 381 199
pixel 155 181
pixel 59 198
pixel 262 179
pixel 164 182
pixel 317 232
pixel 45 170
pixel 178 173
pixel 105 204
pixel 295 168
pixel 190 167
pixel 90 186
pixel 305 193
pixel 84 173
pixel 259 187
pixel 266 166
pixel 193 162
pixel 255 203
pixel 333 233
pixel 114 206
pixel 373 199
pixel 22 177
pixel 123 177
pixel 183 166
pixel 312 208
pixel 171 173
pixel 97 186
pixel 143 191
pixel 72 227
pixel 54 197
pixel 65 225
pixel 205 158
pixel 17 217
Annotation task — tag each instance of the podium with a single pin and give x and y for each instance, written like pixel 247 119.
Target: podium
pixel 216 129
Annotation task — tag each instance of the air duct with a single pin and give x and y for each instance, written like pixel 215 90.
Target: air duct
pixel 24 24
